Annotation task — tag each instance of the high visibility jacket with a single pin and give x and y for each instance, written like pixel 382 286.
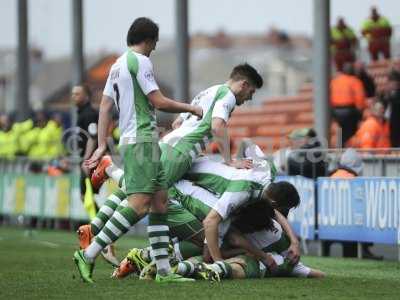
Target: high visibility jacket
pixel 342 39
pixel 55 133
pixel 372 134
pixel 347 90
pixel 20 129
pixel 8 144
pixel 377 30
pixel 48 142
pixel 27 140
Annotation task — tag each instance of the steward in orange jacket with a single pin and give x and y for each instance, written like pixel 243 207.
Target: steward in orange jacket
pixel 374 132
pixel 347 101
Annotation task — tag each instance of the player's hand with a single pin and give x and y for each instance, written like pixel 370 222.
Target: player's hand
pixel 242 164
pixel 269 262
pixel 93 161
pixel 294 253
pixel 197 111
pixel 85 169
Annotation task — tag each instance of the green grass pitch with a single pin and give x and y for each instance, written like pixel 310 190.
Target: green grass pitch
pixel 39 266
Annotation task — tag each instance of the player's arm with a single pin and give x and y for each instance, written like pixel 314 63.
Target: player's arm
pixel 106 106
pixel 160 102
pixel 148 84
pixel 219 131
pixel 210 224
pixel 238 240
pixel 294 249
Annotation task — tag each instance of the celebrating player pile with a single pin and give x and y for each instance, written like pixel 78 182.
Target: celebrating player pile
pixel 235 201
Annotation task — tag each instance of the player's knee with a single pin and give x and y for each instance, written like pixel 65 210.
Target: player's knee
pixel 141 205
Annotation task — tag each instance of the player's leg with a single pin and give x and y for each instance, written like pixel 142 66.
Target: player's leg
pixel 159 238
pixel 300 270
pixel 120 222
pixel 107 210
pixel 140 188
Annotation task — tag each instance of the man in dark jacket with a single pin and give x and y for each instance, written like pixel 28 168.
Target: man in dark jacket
pixel 392 98
pixel 305 159
pixel 366 79
pixel 87 123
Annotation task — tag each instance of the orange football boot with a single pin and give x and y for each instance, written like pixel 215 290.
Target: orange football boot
pixel 99 174
pixel 85 236
pixel 125 268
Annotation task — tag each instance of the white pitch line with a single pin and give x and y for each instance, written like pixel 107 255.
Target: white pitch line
pixel 49 244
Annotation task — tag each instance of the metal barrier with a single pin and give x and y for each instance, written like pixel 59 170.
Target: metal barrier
pixel 375 163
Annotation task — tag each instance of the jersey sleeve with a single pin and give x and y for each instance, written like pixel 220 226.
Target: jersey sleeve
pixel 108 89
pixel 229 202
pixel 145 76
pixel 224 107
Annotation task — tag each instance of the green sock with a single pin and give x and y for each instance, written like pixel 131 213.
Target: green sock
pixel 223 269
pixel 159 241
pixel 106 211
pixel 185 268
pixel 120 222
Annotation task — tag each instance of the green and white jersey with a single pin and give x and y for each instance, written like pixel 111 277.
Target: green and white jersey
pixel 194 134
pixel 234 187
pixel 130 80
pixel 199 202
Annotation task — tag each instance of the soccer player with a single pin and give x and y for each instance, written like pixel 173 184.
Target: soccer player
pixel 191 135
pixel 133 89
pixel 197 201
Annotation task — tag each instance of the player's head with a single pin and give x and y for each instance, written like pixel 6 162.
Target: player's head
pixel 254 217
pixel 244 81
pixel 144 32
pixel 282 196
pixel 80 94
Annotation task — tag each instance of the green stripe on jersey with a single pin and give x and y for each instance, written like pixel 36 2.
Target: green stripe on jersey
pixel 189 141
pixel 145 114
pixel 219 185
pixel 197 208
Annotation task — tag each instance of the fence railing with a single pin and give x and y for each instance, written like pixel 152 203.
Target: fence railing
pixel 375 162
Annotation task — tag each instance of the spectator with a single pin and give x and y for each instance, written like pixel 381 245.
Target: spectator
pixel 392 99
pixel 87 123
pixel 344 43
pixel 374 131
pixel 8 142
pixel 350 166
pixel 377 30
pixel 55 132
pixel 310 164
pixel 347 101
pixel 366 79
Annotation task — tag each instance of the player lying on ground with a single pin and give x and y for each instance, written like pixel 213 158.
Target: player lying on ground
pixel 264 233
pixel 195 202
pixel 235 187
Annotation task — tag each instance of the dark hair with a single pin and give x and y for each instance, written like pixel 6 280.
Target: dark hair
pixel 255 217
pixel 285 196
pixel 87 90
pixel 141 30
pixel 245 71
